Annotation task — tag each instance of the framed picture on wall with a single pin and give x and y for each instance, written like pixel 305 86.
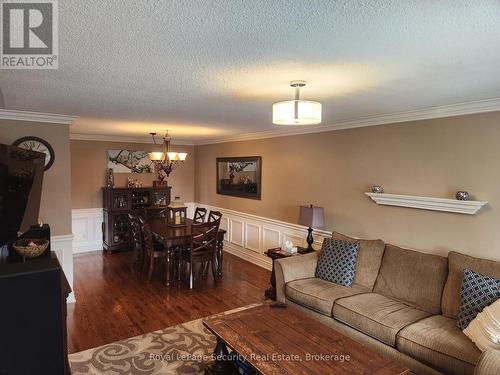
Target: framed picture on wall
pixel 239 176
pixel 128 161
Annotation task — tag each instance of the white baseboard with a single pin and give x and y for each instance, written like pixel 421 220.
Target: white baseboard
pixel 258 259
pixel 63 247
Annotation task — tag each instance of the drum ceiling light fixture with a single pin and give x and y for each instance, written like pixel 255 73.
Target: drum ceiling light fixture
pixel 298 111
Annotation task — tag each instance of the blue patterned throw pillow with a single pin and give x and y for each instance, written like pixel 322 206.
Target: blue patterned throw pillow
pixel 478 291
pixel 337 262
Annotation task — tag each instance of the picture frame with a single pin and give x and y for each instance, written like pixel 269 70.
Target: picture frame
pixel 129 161
pixel 239 176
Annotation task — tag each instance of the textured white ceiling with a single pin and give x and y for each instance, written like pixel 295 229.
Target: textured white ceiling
pixel 210 69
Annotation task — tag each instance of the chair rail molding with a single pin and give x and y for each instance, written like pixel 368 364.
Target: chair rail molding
pixel 249 236
pixel 428 203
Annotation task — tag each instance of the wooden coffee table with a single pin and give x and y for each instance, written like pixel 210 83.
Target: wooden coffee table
pixel 286 341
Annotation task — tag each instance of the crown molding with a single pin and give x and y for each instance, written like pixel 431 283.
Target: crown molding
pixel 123 139
pixel 10 114
pixel 460 109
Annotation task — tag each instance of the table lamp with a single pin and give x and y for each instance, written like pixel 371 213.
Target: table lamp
pixel 310 217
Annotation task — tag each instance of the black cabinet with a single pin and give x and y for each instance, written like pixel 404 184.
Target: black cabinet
pixel 33 317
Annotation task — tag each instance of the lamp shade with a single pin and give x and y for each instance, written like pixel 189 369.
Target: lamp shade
pixel 172 155
pixel 155 156
pixel 311 216
pixel 297 112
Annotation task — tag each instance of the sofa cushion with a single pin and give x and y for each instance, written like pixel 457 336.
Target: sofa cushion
pixel 478 291
pixel 376 315
pixel 369 259
pixel 318 294
pixel 337 262
pixel 412 277
pixel 438 342
pixel 457 263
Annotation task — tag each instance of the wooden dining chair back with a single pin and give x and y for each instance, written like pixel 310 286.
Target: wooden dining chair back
pixel 214 216
pixel 152 251
pixel 204 235
pixel 202 247
pixel 136 241
pixel 199 215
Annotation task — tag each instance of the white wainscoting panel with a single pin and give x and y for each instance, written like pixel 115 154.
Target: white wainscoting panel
pixel 224 224
pixel 250 235
pixel 236 232
pixel 271 238
pixel 87 229
pixel 63 247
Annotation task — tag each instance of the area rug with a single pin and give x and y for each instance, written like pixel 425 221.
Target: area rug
pixel 182 349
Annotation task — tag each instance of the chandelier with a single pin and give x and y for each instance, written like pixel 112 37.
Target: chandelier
pixel 165 161
pixel 297 112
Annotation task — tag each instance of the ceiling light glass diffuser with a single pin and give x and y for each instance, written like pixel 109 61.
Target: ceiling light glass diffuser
pixel 297 112
pixel 155 156
pixel 172 155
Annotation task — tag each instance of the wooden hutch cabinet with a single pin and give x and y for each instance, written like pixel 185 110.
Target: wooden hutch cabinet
pixel 118 202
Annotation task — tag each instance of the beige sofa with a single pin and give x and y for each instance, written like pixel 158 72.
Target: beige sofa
pixel 403 304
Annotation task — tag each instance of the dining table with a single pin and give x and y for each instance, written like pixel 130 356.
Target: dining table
pixel 173 237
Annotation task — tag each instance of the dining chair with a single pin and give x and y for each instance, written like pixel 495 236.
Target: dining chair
pixel 136 242
pixel 214 216
pixel 202 248
pixel 153 251
pixel 199 215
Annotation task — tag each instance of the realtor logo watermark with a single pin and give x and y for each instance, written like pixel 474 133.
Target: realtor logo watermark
pixel 29 34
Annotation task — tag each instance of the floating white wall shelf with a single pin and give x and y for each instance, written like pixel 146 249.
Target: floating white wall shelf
pixel 427 203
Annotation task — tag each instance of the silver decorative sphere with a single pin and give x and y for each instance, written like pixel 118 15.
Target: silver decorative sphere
pixel 462 195
pixel 377 189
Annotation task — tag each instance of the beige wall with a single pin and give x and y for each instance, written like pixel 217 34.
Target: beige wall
pixel 55 206
pixel 334 169
pixel 88 172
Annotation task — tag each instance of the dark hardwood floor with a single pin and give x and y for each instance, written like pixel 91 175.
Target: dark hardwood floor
pixel 114 302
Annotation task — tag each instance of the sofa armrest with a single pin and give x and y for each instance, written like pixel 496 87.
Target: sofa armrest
pixel 489 363
pixel 293 268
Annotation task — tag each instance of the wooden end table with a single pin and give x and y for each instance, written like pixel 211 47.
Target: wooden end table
pixel 270 292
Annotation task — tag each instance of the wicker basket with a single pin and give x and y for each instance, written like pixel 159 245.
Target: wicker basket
pixel 30 248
